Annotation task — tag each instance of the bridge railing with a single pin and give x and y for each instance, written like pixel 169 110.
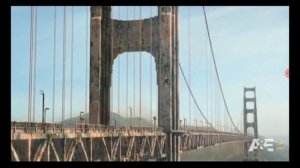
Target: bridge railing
pixel 26 127
pixel 34 127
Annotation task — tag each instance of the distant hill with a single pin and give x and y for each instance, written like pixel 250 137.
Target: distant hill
pixel 121 121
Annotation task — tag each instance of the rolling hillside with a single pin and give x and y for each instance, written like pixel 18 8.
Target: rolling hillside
pixel 121 121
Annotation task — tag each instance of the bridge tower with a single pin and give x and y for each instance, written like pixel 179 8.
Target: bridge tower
pixel 250 109
pixel 112 37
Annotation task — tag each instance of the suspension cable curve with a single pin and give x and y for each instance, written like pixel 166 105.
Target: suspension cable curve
pixel 216 70
pixel 191 93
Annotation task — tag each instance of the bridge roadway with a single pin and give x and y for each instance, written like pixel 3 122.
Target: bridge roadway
pixel 90 142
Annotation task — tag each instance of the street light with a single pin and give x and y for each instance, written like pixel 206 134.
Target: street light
pixel 180 123
pixel 43 101
pixel 196 123
pixel 81 119
pixel 184 122
pixel 47 108
pixel 115 123
pixel 207 126
pixel 154 119
pixel 201 123
pixel 130 116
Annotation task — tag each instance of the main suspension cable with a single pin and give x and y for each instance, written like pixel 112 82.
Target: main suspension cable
pixel 191 93
pixel 216 70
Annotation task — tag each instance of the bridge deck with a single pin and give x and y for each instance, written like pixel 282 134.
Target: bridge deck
pixel 52 142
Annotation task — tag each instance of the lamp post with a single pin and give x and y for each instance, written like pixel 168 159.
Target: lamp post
pixel 201 123
pixel 43 101
pixel 180 123
pixel 81 120
pixel 196 123
pixel 207 126
pixel 115 123
pixel 47 108
pixel 130 116
pixel 154 120
pixel 184 122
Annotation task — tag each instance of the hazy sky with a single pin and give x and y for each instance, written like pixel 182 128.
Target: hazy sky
pixel 251 46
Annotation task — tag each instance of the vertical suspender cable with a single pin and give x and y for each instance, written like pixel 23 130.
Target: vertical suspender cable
pixel 219 109
pixel 119 76
pixel 140 63
pixel 225 120
pixel 72 50
pixel 211 95
pixel 112 56
pixel 86 58
pixel 30 66
pixel 34 59
pixel 216 100
pixel 150 64
pixel 217 104
pixel 54 55
pixel 206 75
pixel 100 56
pixel 133 73
pixel 127 71
pixel 212 98
pixel 189 52
pixel 221 117
pixel 200 118
pixel 64 66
